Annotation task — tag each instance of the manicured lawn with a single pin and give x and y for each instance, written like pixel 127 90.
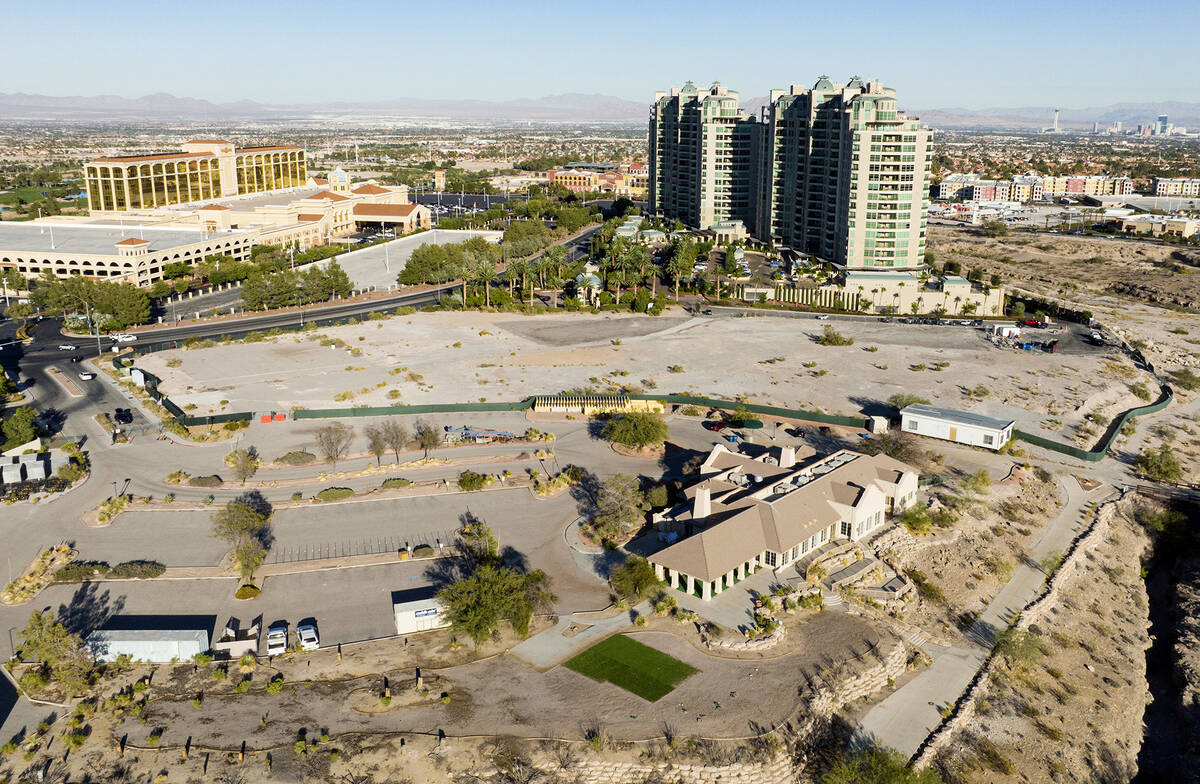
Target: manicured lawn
pixel 648 673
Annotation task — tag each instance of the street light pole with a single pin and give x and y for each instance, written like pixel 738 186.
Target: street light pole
pixel 91 321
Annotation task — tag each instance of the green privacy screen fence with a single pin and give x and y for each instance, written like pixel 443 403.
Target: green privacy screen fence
pixel 432 408
pixel 1093 455
pixel 524 405
pixel 787 413
pixel 1097 453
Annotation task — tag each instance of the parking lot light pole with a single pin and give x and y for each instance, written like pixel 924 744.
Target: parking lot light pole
pixel 91 321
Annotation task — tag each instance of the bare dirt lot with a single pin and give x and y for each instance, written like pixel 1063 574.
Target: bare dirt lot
pixel 468 357
pixel 1121 281
pixel 503 696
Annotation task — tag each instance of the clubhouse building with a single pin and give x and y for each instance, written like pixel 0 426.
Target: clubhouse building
pixel 768 512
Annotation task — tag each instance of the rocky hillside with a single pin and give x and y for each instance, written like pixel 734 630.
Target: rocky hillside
pixel 1066 702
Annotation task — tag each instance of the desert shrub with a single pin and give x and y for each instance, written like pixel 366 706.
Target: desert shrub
pixel 812 602
pixel 141 570
pixel 297 458
pixel 33 681
pixel 636 429
pixel 917 520
pixel 396 481
pixel 657 496
pixel 79 571
pixel 211 480
pixel 1160 464
pixel 633 579
pixel 471 481
pixel 334 494
pixel 1186 379
pixel 248 591
pixel 664 604
pixel 110 507
pixel 275 685
pixel 831 337
pixel 1140 390
pixel 925 589
pixel 906 399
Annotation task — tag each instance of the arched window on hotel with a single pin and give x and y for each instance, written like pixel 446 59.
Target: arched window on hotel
pixel 159 180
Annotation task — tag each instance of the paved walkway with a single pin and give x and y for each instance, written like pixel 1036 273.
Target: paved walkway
pixel 907 716
pixel 550 648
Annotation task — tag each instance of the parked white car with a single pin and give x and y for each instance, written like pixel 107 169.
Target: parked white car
pixel 277 638
pixel 306 634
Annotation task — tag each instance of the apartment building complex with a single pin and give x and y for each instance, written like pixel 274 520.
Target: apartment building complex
pixel 203 169
pixel 1029 187
pixel 1094 185
pixel 972 187
pixel 700 156
pixel 1175 186
pixel 835 170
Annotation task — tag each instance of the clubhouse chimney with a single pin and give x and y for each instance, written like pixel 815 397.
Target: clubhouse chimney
pixel 702 505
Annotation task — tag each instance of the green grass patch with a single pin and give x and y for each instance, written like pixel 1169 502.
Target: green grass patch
pixel 638 668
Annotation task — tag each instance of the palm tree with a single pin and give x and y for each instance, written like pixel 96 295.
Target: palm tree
pixel 677 266
pixel 485 274
pixel 511 271
pixel 555 257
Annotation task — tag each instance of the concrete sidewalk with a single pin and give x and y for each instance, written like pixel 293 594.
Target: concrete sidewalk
pixel 908 715
pixel 550 648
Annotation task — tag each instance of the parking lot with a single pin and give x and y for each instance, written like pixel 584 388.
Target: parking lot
pixel 377 266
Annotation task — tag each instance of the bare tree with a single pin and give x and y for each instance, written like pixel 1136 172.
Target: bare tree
pixel 244 463
pixel 376 442
pixel 396 435
pixel 428 437
pixel 333 440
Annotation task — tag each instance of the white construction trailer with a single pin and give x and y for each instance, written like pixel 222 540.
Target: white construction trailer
pixel 961 427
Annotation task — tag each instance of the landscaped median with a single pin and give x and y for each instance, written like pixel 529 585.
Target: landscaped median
pixel 538 483
pixel 58 565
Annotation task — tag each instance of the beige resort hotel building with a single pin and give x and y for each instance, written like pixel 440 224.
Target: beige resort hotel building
pixel 209 199
pixel 768 512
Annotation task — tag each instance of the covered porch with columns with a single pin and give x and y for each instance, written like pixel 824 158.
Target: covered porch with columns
pixel 704 588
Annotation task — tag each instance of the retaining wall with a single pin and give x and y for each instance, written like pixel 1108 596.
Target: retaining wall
pixel 964 710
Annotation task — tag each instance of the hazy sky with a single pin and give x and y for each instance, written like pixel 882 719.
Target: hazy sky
pixel 1070 53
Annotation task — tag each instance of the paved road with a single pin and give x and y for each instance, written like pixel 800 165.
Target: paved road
pixel 906 717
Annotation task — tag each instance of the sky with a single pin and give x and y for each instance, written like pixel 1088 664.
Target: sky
pixel 936 54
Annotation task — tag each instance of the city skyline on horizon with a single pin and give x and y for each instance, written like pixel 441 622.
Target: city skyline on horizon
pixel 541 49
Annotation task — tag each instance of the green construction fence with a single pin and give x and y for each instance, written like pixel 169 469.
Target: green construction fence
pixel 775 411
pixel 1097 453
pixel 431 408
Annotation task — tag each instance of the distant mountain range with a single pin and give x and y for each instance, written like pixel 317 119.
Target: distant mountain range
pixel 569 107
